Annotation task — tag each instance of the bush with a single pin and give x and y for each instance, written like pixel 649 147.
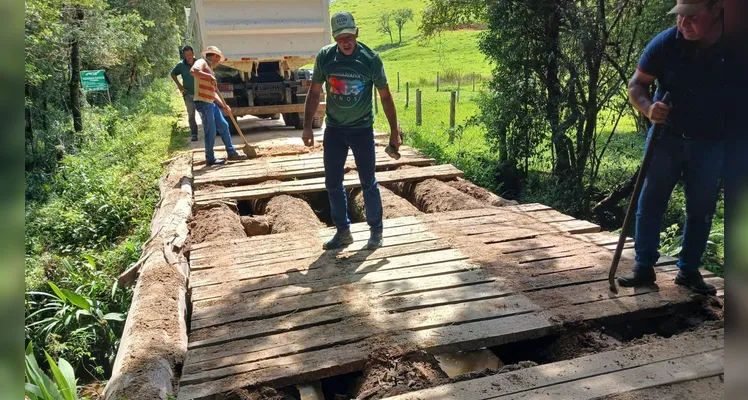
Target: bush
pixel 86 223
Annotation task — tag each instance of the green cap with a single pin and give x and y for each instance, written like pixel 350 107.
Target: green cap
pixel 343 22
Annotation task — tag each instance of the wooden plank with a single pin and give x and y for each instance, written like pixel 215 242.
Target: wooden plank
pixel 216 309
pixel 317 184
pixel 321 269
pixel 664 372
pixel 227 176
pixel 305 366
pixel 207 362
pixel 277 109
pixel 549 375
pixel 318 316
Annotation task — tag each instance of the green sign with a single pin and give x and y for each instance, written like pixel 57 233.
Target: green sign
pixel 94 80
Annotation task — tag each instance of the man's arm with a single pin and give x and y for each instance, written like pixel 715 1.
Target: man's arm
pixel 639 97
pixel 197 71
pixel 179 85
pixel 310 109
pixel 388 105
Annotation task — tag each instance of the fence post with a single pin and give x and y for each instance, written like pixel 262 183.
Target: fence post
pixel 376 105
pixel 418 107
pixel 407 94
pixel 452 107
pixel 398 81
pixel 437 81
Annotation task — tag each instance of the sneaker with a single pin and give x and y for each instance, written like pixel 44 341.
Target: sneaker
pixel 194 138
pixel 695 282
pixel 217 161
pixel 341 239
pixel 641 277
pixel 375 241
pixel 237 157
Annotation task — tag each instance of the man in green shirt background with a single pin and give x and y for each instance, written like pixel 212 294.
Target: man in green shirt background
pixel 187 87
pixel 350 70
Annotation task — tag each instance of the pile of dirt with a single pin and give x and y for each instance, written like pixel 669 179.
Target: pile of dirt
pixel 288 214
pixel 393 206
pixel 385 376
pixel 215 221
pixel 578 344
pixel 256 225
pixel 480 194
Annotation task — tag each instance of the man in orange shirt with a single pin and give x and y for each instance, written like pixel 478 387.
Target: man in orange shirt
pixel 209 105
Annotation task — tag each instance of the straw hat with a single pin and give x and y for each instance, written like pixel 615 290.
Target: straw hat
pixel 214 50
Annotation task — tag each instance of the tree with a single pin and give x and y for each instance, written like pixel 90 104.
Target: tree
pixel 401 16
pixel 385 26
pixel 560 72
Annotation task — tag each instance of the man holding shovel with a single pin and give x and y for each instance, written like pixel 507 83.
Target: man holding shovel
pixel 687 61
pixel 209 104
pixel 350 70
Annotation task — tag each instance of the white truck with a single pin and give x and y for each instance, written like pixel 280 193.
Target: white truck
pixel 266 43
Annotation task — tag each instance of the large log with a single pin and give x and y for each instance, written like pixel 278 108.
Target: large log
pixel 480 194
pixel 288 214
pixel 393 206
pixel 154 340
pixel 433 195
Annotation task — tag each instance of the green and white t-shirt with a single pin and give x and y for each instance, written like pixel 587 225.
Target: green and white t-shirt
pixel 349 81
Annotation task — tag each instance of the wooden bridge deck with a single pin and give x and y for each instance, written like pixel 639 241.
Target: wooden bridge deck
pixel 278 310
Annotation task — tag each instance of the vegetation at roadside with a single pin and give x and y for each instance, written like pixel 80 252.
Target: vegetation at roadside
pixel 505 138
pixel 92 170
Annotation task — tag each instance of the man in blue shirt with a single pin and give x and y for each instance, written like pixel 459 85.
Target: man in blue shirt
pixel 687 60
pixel 187 87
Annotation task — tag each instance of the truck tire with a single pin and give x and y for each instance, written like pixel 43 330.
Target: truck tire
pixel 288 119
pixel 298 121
pixel 275 117
pixel 317 122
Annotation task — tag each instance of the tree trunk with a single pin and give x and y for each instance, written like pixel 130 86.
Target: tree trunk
pixel 400 34
pixel 563 156
pixel 75 68
pixel 391 39
pixel 29 130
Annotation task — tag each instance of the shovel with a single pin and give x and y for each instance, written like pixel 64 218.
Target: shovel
pixel 249 150
pixel 631 212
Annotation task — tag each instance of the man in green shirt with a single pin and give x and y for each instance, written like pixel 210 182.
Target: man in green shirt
pixel 187 87
pixel 350 70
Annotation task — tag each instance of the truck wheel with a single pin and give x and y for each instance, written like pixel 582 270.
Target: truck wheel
pixel 317 122
pixel 288 119
pixel 298 121
pixel 275 117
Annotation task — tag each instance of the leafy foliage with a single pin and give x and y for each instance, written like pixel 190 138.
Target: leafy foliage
pixel 401 16
pixel 40 387
pixel 384 25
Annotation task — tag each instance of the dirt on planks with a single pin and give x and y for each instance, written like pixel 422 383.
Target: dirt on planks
pixel 215 221
pixel 388 375
pixel 488 372
pixel 287 150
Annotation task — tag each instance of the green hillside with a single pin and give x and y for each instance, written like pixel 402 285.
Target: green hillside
pixel 415 59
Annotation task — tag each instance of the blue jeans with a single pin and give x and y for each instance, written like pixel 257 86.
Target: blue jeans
pixel 190 105
pixel 700 164
pixel 213 120
pixel 361 142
